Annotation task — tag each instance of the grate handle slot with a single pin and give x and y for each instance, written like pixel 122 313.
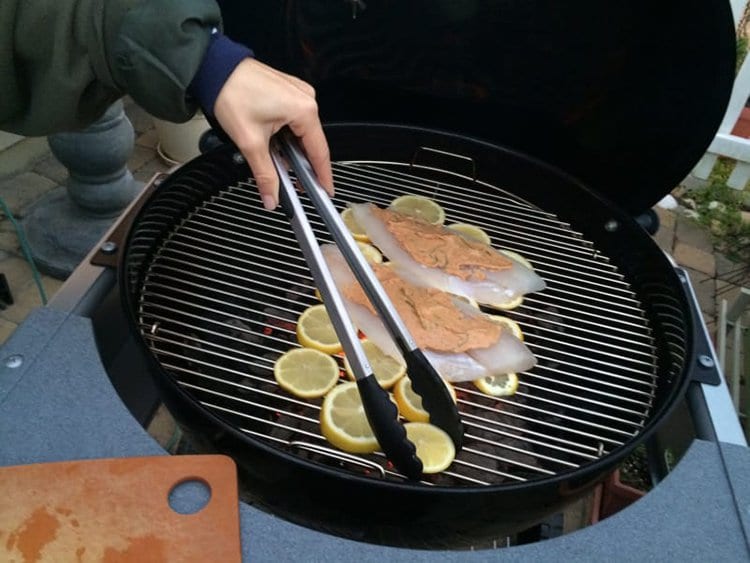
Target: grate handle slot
pixel 339 456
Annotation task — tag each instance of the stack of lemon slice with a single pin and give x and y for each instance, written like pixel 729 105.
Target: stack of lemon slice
pixel 344 424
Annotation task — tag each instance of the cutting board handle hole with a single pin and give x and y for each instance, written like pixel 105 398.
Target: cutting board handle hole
pixel 189 496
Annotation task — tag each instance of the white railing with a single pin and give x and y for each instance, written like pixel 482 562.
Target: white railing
pixel 725 144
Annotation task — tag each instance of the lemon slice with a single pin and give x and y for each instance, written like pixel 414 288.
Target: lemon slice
pixel 306 373
pixel 387 370
pixel 518 258
pixel 420 207
pixel 435 448
pixel 503 385
pixel 410 404
pixel 315 330
pixel 347 215
pixel 371 254
pixel 343 421
pixel 510 324
pixel 508 305
pixel 471 232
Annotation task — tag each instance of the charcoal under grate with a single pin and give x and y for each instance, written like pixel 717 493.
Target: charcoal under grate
pixel 220 298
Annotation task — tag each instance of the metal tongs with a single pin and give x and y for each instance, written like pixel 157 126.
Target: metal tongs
pixel 382 414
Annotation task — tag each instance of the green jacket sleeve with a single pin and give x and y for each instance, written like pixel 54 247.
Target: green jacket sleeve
pixel 63 62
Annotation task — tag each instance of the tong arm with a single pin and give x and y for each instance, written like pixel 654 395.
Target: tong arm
pixel 426 382
pixel 382 413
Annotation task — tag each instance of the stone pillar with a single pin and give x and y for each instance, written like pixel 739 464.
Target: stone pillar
pixel 64 225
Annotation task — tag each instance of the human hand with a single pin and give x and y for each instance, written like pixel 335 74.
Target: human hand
pixel 254 103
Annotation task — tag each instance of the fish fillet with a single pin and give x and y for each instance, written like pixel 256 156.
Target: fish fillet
pixel 457 266
pixel 503 354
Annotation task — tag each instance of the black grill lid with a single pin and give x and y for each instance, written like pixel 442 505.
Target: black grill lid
pixel 624 95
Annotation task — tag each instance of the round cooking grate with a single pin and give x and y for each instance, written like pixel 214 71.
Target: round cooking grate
pixel 220 296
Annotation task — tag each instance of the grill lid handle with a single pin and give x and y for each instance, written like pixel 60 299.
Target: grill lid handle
pixel 426 382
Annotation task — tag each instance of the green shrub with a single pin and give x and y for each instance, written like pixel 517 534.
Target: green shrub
pixel 719 208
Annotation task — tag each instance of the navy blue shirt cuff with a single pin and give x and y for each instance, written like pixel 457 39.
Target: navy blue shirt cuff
pixel 222 57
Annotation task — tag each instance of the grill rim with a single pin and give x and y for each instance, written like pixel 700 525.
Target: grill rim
pixel 585 475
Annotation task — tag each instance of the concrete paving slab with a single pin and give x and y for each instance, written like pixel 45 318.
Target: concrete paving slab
pixel 27 299
pixel 140 157
pixel 727 291
pixel 665 236
pixel 149 139
pixel 724 266
pixel 9 239
pixel 21 191
pixel 666 218
pixel 51 168
pixel 147 171
pixel 705 291
pixel 732 272
pixel 22 156
pixel 665 239
pixel 693 234
pixel 7 140
pixel 694 258
pixel 17 271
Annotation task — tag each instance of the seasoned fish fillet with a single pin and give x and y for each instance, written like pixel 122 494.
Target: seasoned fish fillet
pixel 460 341
pixel 434 256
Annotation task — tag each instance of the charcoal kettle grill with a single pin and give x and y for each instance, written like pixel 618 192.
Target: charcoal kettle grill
pixel 209 284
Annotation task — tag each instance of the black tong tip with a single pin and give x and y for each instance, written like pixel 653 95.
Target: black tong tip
pixel 436 399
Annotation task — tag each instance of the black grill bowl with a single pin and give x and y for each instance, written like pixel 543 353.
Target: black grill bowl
pixel 341 500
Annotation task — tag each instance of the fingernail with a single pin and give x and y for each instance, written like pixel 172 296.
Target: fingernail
pixel 268 202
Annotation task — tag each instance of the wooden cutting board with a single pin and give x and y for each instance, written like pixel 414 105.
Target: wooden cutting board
pixel 117 510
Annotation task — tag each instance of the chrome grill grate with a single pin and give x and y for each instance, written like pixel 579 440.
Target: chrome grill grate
pixel 221 295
